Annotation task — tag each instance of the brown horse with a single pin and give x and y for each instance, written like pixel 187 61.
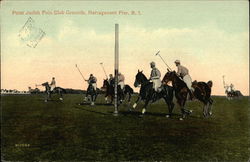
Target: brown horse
pixel 202 91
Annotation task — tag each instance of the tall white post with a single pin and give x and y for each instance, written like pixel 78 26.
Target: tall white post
pixel 116 66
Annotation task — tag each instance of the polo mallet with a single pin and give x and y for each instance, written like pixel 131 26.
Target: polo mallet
pixel 103 69
pixel 158 54
pixel 80 73
pixel 224 83
pixel 38 85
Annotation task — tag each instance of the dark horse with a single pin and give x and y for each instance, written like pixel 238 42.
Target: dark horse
pixel 93 94
pixel 110 91
pixel 57 90
pixel 147 92
pixel 233 94
pixel 202 91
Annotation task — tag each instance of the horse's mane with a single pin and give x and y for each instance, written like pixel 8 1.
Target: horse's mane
pixel 144 77
pixel 45 84
pixel 178 78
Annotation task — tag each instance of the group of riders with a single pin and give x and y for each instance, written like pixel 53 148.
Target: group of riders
pixel 152 89
pixel 155 77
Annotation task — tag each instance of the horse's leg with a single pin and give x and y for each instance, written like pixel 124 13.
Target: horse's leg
pixel 86 96
pixel 96 94
pixel 121 96
pixel 170 107
pixel 129 97
pixel 92 99
pixel 49 95
pixel 112 99
pixel 106 97
pixel 210 109
pixel 183 110
pixel 136 102
pixel 205 109
pixel 145 106
pixel 60 93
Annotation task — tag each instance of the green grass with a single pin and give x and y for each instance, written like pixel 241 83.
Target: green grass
pixel 67 131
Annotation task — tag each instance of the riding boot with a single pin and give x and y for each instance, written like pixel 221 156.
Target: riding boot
pixel 154 96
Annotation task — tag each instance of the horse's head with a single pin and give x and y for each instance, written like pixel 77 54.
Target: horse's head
pixel 169 76
pixel 46 84
pixel 139 78
pixel 105 83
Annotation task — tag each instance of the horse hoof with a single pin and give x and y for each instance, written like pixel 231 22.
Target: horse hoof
pixel 143 111
pixel 181 119
pixel 210 113
pixel 190 111
pixel 61 99
pixel 92 104
pixel 167 116
pixel 134 106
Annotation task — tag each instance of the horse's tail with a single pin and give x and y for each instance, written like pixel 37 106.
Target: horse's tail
pixel 63 90
pixel 131 90
pixel 210 83
pixel 238 93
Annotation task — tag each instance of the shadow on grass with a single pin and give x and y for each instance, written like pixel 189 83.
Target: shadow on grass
pixel 50 100
pixel 97 112
pixel 137 113
pixel 102 104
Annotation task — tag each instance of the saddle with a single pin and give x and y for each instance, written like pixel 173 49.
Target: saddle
pixel 159 89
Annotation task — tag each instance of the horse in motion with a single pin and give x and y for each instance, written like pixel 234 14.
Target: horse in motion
pixel 233 94
pixel 56 90
pixel 147 92
pixel 202 91
pixel 110 92
pixel 92 93
pixel 230 91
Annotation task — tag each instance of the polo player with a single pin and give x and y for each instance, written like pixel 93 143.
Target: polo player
pixel 52 84
pixel 92 81
pixel 232 87
pixel 111 80
pixel 121 80
pixel 183 72
pixel 155 77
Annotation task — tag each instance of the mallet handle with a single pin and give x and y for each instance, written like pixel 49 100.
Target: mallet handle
pixel 80 73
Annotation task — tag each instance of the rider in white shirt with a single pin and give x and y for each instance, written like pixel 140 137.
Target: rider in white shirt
pixel 184 74
pixel 155 76
pixel 53 84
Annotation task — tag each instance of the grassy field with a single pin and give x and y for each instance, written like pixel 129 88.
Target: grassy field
pixel 33 130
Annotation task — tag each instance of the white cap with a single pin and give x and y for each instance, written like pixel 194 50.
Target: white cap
pixel 177 61
pixel 152 63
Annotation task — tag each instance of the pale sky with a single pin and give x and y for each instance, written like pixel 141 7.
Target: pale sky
pixel 211 38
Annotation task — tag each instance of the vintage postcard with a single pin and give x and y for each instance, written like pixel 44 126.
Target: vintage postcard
pixel 125 80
